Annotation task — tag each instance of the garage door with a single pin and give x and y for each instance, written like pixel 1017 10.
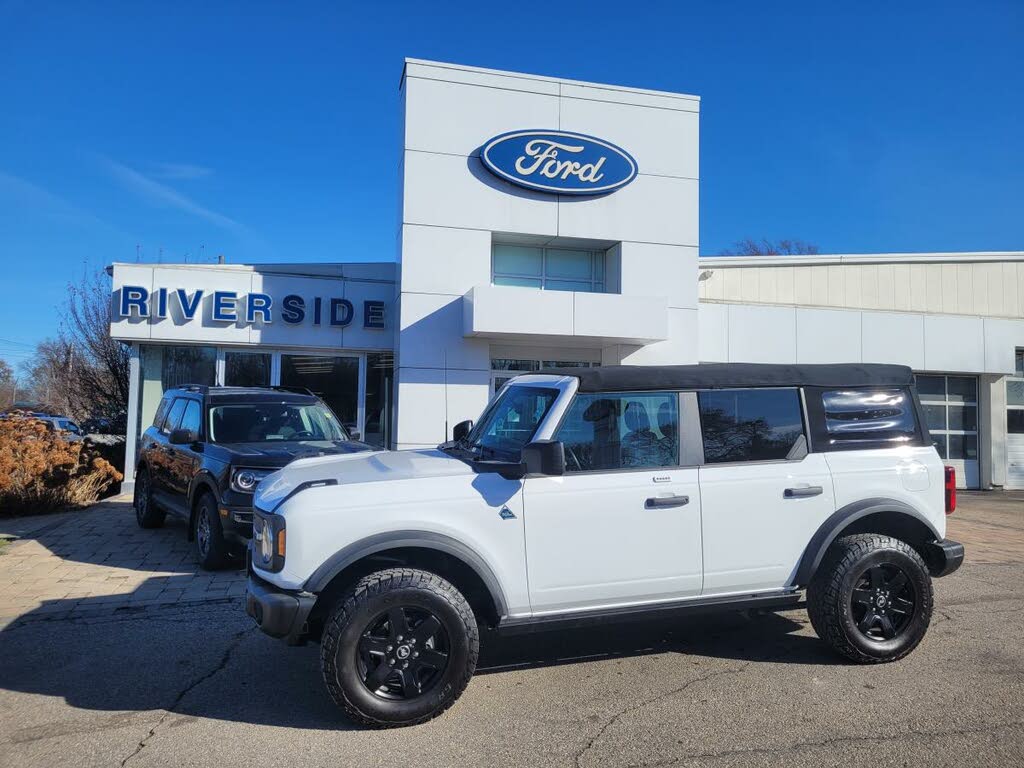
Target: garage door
pixel 1015 427
pixel 951 408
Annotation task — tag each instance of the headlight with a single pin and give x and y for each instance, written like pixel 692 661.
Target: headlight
pixel 268 542
pixel 246 480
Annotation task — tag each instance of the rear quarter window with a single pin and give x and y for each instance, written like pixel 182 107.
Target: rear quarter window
pixel 848 419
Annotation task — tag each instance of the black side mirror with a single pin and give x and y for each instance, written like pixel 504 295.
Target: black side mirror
pixel 181 437
pixel 462 430
pixel 353 434
pixel 544 457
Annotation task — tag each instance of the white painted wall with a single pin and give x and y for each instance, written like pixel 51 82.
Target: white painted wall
pixel 453 208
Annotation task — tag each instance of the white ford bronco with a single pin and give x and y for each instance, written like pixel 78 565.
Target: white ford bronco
pixel 595 494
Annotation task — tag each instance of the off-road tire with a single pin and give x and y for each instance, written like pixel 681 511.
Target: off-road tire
pixel 210 547
pixel 830 596
pixel 147 514
pixel 357 610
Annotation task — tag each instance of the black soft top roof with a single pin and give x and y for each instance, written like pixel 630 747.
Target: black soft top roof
pixel 621 378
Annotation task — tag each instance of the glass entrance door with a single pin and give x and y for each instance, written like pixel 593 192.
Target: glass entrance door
pixel 335 379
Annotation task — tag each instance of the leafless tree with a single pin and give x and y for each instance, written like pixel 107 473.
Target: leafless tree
pixel 765 247
pixel 84 372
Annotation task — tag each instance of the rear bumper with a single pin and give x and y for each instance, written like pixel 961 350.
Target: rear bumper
pixel 944 557
pixel 277 612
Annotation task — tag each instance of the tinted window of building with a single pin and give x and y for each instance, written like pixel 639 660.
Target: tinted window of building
pixel 869 416
pixel 750 424
pixel 553 269
pixel 188 365
pixel 247 369
pixel 380 369
pixel 334 379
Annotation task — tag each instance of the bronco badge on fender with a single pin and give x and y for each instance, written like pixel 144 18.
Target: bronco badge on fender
pixel 558 161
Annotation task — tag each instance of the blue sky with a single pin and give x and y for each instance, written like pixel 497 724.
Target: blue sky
pixel 268 131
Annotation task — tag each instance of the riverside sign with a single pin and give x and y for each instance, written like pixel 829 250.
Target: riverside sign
pixel 231 307
pixel 559 161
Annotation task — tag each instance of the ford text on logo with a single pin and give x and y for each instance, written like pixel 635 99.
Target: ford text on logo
pixel 559 161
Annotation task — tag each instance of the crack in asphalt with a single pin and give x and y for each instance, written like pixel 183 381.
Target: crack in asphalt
pixel 235 642
pixel 809 745
pixel 636 707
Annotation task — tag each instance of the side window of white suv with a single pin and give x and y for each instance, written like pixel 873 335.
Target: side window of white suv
pixel 631 430
pixel 750 424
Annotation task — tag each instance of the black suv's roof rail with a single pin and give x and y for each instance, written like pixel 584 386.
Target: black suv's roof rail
pixel 206 388
pixel 294 390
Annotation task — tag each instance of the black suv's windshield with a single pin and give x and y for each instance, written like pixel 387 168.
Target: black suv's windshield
pixel 267 422
pixel 510 422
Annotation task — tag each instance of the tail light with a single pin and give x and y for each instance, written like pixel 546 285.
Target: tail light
pixel 950 490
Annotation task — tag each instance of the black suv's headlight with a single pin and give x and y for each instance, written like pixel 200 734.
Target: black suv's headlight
pixel 245 480
pixel 268 541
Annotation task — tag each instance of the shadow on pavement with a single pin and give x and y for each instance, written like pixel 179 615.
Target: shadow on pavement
pixel 208 660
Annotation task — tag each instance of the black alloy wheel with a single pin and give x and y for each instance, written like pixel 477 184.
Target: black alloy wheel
pixel 398 647
pixel 883 602
pixel 403 653
pixel 871 598
pixel 211 549
pixel 147 515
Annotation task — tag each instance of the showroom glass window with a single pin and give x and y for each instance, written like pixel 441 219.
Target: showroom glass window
pixel 750 424
pixel 950 406
pixel 334 379
pixel 246 369
pixel 632 430
pixel 551 269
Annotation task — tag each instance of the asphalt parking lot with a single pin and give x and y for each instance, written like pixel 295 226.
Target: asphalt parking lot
pixel 115 651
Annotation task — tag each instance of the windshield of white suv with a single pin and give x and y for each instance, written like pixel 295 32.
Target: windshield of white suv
pixel 267 422
pixel 510 422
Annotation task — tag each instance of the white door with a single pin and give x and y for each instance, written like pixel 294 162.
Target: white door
pixel 622 526
pixel 762 495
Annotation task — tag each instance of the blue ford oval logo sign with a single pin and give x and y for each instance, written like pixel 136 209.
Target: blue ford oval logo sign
pixel 559 161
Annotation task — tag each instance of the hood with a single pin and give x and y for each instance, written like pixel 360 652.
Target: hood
pixel 277 454
pixel 357 468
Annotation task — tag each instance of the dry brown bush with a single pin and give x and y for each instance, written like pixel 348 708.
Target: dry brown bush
pixel 42 472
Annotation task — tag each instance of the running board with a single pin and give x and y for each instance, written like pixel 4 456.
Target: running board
pixel 775 601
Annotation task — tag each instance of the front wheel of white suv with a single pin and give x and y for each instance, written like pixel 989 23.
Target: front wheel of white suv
pixel 871 598
pixel 399 648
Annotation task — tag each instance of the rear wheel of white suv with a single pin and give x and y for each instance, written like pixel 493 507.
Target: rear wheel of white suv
pixel 399 648
pixel 871 598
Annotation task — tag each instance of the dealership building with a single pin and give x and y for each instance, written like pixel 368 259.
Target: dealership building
pixel 547 222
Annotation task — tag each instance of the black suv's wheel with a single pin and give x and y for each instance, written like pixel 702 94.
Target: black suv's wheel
pixel 399 648
pixel 207 535
pixel 147 514
pixel 871 598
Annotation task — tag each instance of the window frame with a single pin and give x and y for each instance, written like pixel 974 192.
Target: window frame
pixel 946 403
pixel 804 428
pixel 689 425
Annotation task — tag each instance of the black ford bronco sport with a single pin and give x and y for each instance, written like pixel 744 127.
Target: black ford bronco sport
pixel 208 449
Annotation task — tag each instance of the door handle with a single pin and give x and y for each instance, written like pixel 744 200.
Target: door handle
pixel 661 502
pixel 802 493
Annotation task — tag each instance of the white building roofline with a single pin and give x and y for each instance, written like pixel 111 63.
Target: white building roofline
pixel 539 78
pixel 719 262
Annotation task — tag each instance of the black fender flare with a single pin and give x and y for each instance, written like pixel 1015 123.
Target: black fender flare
pixel 380 542
pixel 839 520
